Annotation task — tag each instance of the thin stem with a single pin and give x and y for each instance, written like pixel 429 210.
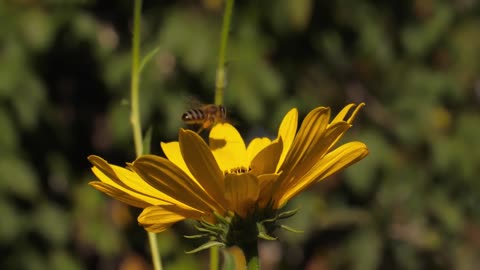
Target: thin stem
pixel 135 113
pixel 221 77
pixel 135 80
pixel 214 258
pixel 157 261
pixel 220 82
pixel 251 255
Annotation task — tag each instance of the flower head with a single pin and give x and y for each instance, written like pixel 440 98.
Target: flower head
pixel 229 179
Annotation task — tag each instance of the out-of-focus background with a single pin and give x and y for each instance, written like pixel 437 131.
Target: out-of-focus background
pixel 413 203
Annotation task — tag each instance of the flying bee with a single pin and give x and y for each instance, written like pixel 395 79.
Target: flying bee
pixel 205 116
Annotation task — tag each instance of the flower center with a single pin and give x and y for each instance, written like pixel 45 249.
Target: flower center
pixel 238 170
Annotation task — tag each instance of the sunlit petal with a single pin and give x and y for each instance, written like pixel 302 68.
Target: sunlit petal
pixel 341 118
pixel 331 163
pixel 256 145
pixel 119 194
pixel 173 153
pixel 287 131
pixel 171 180
pixel 266 160
pixel 310 133
pixel 158 219
pixel 202 164
pixel 241 192
pixel 227 146
pixel 125 181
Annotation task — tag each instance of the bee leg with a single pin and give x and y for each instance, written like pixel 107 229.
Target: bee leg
pixel 200 129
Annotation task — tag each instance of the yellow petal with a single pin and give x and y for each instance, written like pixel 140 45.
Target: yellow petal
pixel 256 145
pixel 228 147
pixel 266 160
pixel 343 113
pixel 266 185
pixel 331 163
pixel 310 133
pixel 287 131
pixel 317 149
pixel 158 219
pixel 202 164
pixel 241 192
pixel 173 153
pixel 238 257
pixel 171 180
pixel 125 181
pixel 119 195
pixel 341 118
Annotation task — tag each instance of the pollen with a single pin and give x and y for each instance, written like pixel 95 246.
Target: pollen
pixel 238 170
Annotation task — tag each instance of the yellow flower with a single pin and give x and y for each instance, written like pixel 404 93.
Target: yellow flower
pixel 198 180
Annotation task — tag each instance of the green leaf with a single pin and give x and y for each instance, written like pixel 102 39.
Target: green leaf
pixel 265 236
pixel 53 223
pixel 60 259
pixel 365 256
pixel 18 178
pixel 147 141
pixel 8 136
pixel 285 227
pixel 12 222
pixel 147 58
pixel 206 246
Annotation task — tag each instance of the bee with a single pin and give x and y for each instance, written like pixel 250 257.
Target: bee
pixel 205 116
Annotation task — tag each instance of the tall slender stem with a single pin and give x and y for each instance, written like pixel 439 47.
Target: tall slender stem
pixel 135 80
pixel 214 258
pixel 135 112
pixel 221 73
pixel 220 82
pixel 251 255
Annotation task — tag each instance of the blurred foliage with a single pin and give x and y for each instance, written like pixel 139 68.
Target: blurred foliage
pixel 412 204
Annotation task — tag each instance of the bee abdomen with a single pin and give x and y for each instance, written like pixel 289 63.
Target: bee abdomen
pixel 193 116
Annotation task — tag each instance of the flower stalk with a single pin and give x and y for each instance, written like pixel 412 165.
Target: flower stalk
pixel 135 113
pixel 221 72
pixel 220 81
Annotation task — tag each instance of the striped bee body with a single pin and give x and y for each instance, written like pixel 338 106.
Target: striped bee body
pixel 205 116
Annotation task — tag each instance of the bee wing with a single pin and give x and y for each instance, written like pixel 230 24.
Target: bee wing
pixel 194 103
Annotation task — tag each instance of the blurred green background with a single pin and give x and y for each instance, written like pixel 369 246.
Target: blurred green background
pixel 413 203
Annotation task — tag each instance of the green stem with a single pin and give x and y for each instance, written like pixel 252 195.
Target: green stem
pixel 135 80
pixel 220 82
pixel 220 76
pixel 214 258
pixel 157 261
pixel 251 256
pixel 135 113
